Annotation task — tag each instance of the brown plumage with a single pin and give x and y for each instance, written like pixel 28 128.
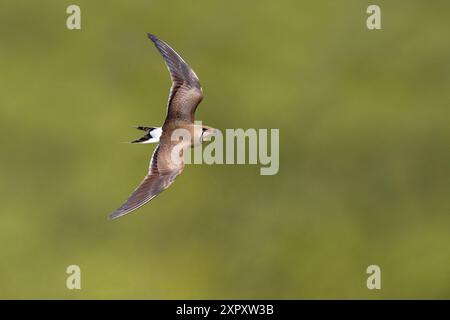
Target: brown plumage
pixel 167 162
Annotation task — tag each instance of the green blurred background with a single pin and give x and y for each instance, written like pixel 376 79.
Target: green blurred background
pixel 364 150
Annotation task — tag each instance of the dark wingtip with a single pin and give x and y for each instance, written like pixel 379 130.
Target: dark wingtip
pixel 112 216
pixel 152 37
pixel 116 214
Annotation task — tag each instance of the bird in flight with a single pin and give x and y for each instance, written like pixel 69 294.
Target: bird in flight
pixel 167 159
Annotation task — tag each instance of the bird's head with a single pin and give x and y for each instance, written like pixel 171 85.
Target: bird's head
pixel 207 132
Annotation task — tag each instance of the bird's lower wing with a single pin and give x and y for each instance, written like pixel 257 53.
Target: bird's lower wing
pixel 150 187
pixel 154 183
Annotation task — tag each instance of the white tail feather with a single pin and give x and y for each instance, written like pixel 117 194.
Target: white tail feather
pixel 152 136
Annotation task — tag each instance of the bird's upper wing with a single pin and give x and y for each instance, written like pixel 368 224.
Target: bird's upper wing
pixel 162 172
pixel 186 92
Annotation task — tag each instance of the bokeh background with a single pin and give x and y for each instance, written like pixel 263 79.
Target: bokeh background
pixel 364 150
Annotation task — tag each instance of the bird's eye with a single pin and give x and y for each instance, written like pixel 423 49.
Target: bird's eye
pixel 204 129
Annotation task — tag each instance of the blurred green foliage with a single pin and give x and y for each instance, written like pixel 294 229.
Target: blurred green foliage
pixel 364 141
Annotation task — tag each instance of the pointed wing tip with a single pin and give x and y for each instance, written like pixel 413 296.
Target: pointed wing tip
pixel 118 213
pixel 114 215
pixel 152 37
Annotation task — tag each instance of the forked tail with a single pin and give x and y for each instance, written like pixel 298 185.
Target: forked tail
pixel 152 135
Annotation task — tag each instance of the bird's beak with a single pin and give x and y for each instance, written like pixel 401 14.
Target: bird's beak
pixel 214 132
pixel 211 132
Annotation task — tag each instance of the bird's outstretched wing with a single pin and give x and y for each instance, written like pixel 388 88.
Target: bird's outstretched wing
pixel 162 172
pixel 186 92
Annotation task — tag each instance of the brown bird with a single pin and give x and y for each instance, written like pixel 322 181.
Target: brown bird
pixel 177 133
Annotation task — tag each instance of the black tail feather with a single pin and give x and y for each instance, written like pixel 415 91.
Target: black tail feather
pixel 145 128
pixel 142 139
pixel 151 133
